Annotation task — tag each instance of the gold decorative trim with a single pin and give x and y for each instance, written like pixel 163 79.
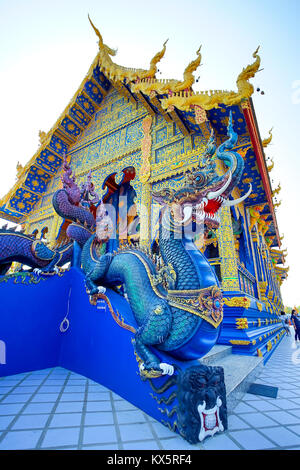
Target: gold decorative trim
pixel 184 100
pixel 241 323
pixel 191 301
pixel 242 302
pixel 239 342
pixel 206 303
pixel 116 316
pixel 146 144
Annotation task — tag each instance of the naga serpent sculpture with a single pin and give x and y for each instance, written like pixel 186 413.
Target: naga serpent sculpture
pixel 184 321
pixel 181 320
pixel 16 246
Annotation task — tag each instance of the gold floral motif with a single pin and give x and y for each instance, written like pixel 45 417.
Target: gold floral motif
pixel 242 302
pixel 241 323
pixel 200 115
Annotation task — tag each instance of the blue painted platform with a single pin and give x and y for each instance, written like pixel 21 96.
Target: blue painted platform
pixel 96 345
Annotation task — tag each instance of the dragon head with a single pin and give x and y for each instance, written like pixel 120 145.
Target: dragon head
pixel 104 223
pixel 202 409
pixel 204 191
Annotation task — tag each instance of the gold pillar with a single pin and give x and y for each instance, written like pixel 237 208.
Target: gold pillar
pixel 54 229
pixel 229 269
pixel 145 216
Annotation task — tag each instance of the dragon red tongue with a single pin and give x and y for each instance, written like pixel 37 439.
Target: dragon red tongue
pixel 212 206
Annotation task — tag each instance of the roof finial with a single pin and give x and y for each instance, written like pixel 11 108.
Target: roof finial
pixel 244 87
pixel 101 43
pixel 266 141
pixel 153 68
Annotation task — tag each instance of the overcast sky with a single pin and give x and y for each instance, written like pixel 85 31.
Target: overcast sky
pixel 48 46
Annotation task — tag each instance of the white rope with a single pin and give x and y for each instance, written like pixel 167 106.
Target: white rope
pixel 64 326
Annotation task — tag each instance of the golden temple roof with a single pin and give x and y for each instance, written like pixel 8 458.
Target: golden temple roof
pixel 164 96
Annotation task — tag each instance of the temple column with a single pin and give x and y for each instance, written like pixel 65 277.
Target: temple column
pixel 252 252
pixel 229 269
pixel 258 252
pixel 145 216
pixel 54 228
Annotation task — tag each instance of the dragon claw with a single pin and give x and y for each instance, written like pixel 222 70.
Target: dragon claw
pixel 162 369
pixel 101 289
pixel 37 271
pixel 56 269
pixel 167 369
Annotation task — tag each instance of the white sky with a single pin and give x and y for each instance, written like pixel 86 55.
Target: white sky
pixel 47 47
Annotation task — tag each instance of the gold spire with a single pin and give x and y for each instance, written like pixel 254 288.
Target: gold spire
pixel 164 86
pixel 42 137
pixel 212 99
pixel 101 44
pixel 271 166
pixel 19 169
pixel 277 190
pixel 266 141
pixel 119 73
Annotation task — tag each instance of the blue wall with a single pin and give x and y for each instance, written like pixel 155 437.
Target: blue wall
pixel 94 345
pixel 30 315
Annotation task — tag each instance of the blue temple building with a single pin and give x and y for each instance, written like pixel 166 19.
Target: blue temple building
pixel 135 135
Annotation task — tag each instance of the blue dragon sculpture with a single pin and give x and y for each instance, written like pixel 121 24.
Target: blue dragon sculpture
pixel 25 249
pixel 184 321
pixel 180 320
pixel 15 246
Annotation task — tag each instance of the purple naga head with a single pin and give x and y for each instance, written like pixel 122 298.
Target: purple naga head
pixel 69 184
pixel 104 224
pixel 88 193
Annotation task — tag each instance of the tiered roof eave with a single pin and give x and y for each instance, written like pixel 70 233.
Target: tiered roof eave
pixel 170 97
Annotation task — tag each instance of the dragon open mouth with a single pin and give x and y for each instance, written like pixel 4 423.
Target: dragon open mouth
pixel 210 420
pixel 204 210
pixel 207 211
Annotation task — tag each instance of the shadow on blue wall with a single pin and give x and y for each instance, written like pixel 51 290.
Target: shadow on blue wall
pixel 94 345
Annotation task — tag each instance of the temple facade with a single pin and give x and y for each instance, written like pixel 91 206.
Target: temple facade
pixel 135 134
